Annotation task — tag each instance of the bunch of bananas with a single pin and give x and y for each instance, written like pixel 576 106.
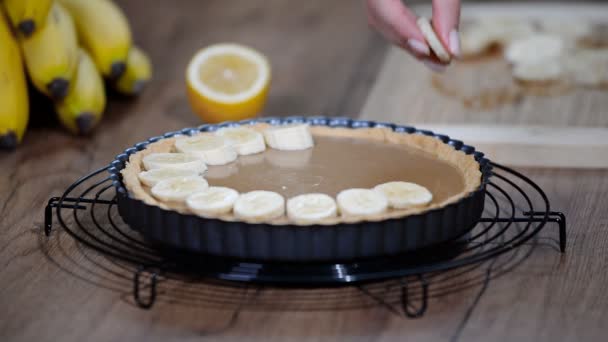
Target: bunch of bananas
pixel 65 48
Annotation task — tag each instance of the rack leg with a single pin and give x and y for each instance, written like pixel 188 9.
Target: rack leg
pixel 556 217
pixel 54 203
pixel 149 302
pixel 418 312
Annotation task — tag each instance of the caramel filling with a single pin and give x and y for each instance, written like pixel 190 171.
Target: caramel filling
pixel 335 164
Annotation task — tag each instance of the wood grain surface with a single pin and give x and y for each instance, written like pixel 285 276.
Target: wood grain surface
pixel 325 60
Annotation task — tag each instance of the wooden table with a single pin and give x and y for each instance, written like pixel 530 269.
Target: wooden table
pixel 325 61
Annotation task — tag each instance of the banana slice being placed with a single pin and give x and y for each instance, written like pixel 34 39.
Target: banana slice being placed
pixel 259 205
pixel 403 195
pixel 213 149
pixel 311 208
pixel 178 189
pixel 361 202
pixel 289 138
pixel 175 161
pixel 431 37
pixel 152 177
pixel 534 49
pixel 213 201
pixel 245 140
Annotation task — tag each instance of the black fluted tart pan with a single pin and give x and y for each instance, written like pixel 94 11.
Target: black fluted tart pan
pixel 292 243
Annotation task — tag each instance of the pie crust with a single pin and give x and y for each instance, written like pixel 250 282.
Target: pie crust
pixel 464 163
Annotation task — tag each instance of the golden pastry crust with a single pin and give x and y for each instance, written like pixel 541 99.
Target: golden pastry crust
pixel 464 163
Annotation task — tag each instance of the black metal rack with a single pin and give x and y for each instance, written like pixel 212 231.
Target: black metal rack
pixel 517 209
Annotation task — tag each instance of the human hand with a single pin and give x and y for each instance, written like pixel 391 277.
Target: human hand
pixel 397 23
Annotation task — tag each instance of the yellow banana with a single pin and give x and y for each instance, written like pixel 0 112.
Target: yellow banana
pixel 28 16
pixel 81 110
pixel 14 106
pixel 51 54
pixel 104 31
pixel 137 74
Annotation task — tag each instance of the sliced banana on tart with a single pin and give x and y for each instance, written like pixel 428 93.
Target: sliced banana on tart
pixel 361 202
pixel 289 137
pixel 245 140
pixel 213 201
pixel 175 161
pixel 401 195
pixel 259 205
pixel 211 148
pixel 310 208
pixel 178 189
pixel 151 177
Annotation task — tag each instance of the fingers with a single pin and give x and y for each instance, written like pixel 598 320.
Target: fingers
pixel 398 24
pixel 446 17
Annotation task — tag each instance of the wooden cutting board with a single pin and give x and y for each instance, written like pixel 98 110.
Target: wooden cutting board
pixel 477 102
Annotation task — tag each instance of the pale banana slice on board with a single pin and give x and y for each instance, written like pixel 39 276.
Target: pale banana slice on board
pixel 505 30
pixel 213 201
pixel 431 37
pixel 289 138
pixel 212 149
pixel 478 37
pixel 402 195
pixel 361 202
pixel 151 177
pixel 181 161
pixel 259 205
pixel 542 71
pixel 178 189
pixel 311 208
pixel 534 49
pixel 587 67
pixel 476 41
pixel 245 140
pixel 567 29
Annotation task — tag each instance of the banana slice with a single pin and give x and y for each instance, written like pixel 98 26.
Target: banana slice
pixel 213 201
pixel 568 29
pixel 150 178
pixel 431 37
pixel 178 189
pixel 403 195
pixel 259 205
pixel 508 29
pixel 476 41
pixel 480 36
pixel 311 208
pixel 361 202
pixel 289 138
pixel 175 161
pixel 587 67
pixel 534 49
pixel 545 71
pixel 212 149
pixel 245 140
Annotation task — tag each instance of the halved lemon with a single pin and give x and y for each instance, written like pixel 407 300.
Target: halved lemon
pixel 227 82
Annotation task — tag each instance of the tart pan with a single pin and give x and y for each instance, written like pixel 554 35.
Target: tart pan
pixel 345 241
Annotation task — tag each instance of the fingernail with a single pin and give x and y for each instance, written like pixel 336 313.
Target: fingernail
pixel 455 43
pixel 419 47
pixel 436 67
